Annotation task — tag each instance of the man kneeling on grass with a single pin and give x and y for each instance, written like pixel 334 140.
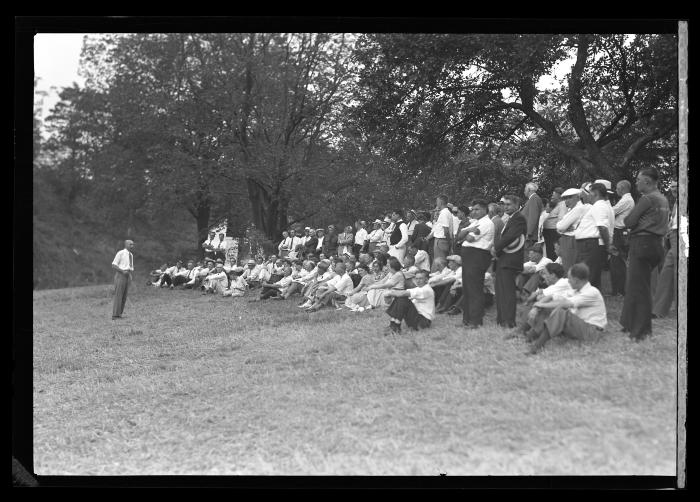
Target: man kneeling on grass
pixel 416 306
pixel 334 291
pixel 578 313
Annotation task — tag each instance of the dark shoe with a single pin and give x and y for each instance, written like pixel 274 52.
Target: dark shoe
pixel 471 326
pixel 116 317
pixel 454 311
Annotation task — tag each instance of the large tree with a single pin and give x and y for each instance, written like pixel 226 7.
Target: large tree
pixel 438 97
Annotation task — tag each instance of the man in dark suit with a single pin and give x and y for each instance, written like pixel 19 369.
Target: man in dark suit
pixel 532 211
pixel 330 243
pixel 420 231
pixel 311 244
pixel 509 253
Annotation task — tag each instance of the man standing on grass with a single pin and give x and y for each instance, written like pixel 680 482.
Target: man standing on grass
pixel 508 250
pixel 123 265
pixel 416 306
pixel 648 224
pixel 531 211
pixel 618 258
pixel 442 229
pixel 667 286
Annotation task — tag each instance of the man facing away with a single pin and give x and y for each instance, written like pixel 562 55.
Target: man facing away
pixel 531 211
pixel 618 258
pixel 667 286
pixel 442 230
pixel 123 264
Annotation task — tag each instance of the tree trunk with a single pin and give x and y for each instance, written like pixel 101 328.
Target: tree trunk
pixel 203 212
pixel 269 210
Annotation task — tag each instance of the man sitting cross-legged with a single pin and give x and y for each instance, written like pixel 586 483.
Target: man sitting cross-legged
pixel 185 275
pixel 258 274
pixel 557 282
pixel 415 306
pixel 167 278
pixel 278 288
pixel 333 291
pixel 578 313
pixel 443 284
pixel 300 278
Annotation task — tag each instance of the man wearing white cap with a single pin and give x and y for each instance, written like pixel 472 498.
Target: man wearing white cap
pixel 594 233
pixel 567 226
pixel 618 258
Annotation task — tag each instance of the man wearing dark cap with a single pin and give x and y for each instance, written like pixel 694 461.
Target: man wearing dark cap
pixel 648 224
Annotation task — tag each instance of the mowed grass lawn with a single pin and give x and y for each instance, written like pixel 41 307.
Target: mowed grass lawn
pixel 193 384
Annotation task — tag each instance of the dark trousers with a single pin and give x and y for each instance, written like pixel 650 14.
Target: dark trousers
pixel 567 251
pixel 439 290
pixel 646 252
pixel 505 296
pixel 268 293
pixel 667 284
pixel 588 251
pixel 550 236
pixel 618 263
pixel 356 249
pixel 447 299
pixel 166 280
pixel 121 288
pixel 475 262
pixel 403 309
pixel 180 279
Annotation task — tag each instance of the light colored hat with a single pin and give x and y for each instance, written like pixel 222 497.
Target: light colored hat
pixel 503 199
pixel 387 220
pixel 606 183
pixel 237 270
pixel 325 261
pixel 411 211
pixel 456 258
pixel 586 187
pixel 571 191
pixel 377 221
pixel 308 228
pixel 250 262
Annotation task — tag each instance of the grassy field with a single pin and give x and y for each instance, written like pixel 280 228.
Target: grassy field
pixel 192 384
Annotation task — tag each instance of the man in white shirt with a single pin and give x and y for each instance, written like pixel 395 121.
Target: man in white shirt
pixel 594 233
pixel 411 222
pixel 420 257
pixel 278 288
pixel 185 275
pixel 415 306
pixel 208 246
pixel 361 236
pixel 443 284
pixel 549 227
pixel 123 265
pixel 442 230
pixel 220 247
pixel 476 258
pixel 529 279
pixel 620 248
pixel 398 237
pixel 440 270
pixel 567 226
pixel 579 313
pixel 335 290
pixel 170 273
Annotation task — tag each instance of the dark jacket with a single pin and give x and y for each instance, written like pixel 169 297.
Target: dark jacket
pixel 310 246
pixel 531 211
pixel 330 245
pixel 515 228
pixel 419 231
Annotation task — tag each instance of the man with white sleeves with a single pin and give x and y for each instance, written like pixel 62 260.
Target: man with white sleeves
pixel 123 264
pixel 399 236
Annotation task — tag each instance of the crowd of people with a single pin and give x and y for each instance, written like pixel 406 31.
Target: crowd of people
pixel 546 255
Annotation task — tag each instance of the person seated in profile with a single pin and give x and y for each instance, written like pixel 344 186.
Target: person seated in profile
pixel 203 273
pixel 409 270
pixel 444 283
pixel 414 306
pixel 155 275
pixel 333 291
pixel 276 289
pixel 185 275
pixel 421 258
pixel 167 278
pixel 322 274
pixel 376 293
pixel 579 313
pixel 300 277
pixel 237 286
pixel 357 298
pixel 557 283
pixel 217 280
pixel 192 282
pixel 529 279
pixel 440 269
pixel 259 273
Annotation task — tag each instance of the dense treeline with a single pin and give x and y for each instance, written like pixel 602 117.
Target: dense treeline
pixel 172 132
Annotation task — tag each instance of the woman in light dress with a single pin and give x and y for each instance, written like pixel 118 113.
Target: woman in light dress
pixel 358 297
pixel 395 280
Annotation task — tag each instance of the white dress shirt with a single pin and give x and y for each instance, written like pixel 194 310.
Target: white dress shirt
pixel 342 283
pixel 558 288
pixel 445 220
pixel 360 236
pixel 124 260
pixel 422 260
pixel 438 276
pixel 570 221
pixel 600 214
pixel 423 298
pixel 319 246
pixel 623 207
pixel 376 236
pixel 484 239
pixel 531 267
pixel 588 305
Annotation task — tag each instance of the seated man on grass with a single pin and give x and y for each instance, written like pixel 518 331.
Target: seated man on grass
pixel 217 280
pixel 155 275
pixel 409 271
pixel 333 291
pixel 185 275
pixel 529 279
pixel 579 313
pixel 300 278
pixel 415 306
pixel 420 257
pixel 320 276
pixel 167 278
pixel 443 284
pixel 557 282
pixel 238 286
pixel 258 274
pixel 278 288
